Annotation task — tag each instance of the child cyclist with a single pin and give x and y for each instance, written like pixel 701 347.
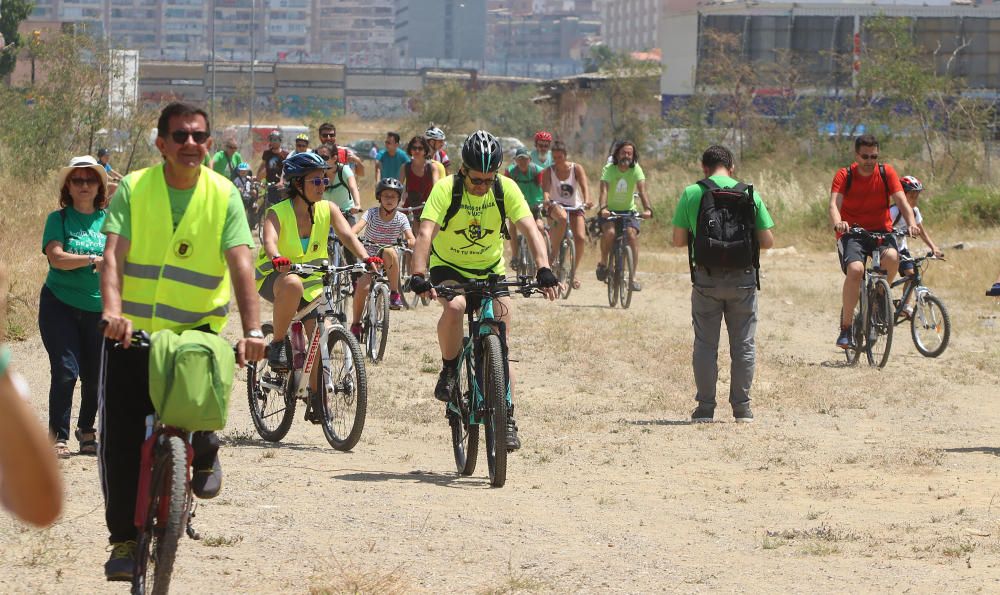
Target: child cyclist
pixel 382 226
pixel 912 187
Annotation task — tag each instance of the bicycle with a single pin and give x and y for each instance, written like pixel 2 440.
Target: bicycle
pixel 343 284
pixel 482 395
pixel 621 263
pixel 405 253
pixel 567 251
pixel 342 403
pixel 524 262
pixel 873 321
pixel 164 501
pixel 930 325
pixel 375 319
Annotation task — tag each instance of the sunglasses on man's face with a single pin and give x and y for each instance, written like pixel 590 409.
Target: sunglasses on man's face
pixel 482 181
pixel 329 135
pixel 868 157
pixel 320 181
pixel 180 136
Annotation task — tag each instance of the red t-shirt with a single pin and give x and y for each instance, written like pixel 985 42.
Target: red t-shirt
pixel 866 203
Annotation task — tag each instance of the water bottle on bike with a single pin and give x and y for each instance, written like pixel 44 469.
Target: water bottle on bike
pixel 298 338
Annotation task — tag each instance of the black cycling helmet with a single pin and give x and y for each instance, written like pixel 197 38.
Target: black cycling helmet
pixel 482 152
pixel 388 184
pixel 299 164
pixel 103 152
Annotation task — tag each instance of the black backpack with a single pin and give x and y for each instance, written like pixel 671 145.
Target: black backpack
pixel 458 187
pixel 725 236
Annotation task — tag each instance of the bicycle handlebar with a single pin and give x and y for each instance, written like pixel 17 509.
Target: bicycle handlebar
pixel 489 287
pixel 304 270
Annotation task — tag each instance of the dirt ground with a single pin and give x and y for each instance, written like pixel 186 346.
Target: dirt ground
pixel 850 479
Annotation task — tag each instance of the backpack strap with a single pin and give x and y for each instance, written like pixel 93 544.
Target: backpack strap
pixel 885 182
pixel 754 242
pixel 457 188
pixel 498 196
pixel 340 178
pixel 847 181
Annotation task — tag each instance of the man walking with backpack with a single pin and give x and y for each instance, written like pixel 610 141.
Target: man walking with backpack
pixel 724 224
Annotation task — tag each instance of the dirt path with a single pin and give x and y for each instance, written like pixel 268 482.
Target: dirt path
pixel 850 479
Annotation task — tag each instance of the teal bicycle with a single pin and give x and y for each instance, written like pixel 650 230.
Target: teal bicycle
pixel 482 396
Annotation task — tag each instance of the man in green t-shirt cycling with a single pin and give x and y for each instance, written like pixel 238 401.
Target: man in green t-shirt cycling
pixel 471 247
pixel 621 180
pixel 527 176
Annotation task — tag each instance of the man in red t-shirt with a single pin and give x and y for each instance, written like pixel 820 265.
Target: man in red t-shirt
pixel 865 204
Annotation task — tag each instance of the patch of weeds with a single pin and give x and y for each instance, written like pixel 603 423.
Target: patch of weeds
pixel 355 580
pixel 820 548
pixel 269 453
pixel 430 368
pixel 239 437
pixel 957 550
pixel 606 501
pixel 517 581
pixel 772 543
pixel 221 540
pixel 812 515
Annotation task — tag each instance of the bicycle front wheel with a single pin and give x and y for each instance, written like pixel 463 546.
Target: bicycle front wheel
pixel 156 547
pixel 269 395
pixel 495 415
pixel 627 277
pixel 611 279
pixel 567 266
pixel 378 323
pixel 464 436
pixel 878 329
pixel 930 326
pixel 345 390
pixel 853 351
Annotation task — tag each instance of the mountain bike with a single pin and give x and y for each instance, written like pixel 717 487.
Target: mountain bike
pixel 564 263
pixel 343 284
pixel 482 395
pixel 405 254
pixel 930 325
pixel 341 404
pixel 871 329
pixel 164 502
pixel 621 262
pixel 524 262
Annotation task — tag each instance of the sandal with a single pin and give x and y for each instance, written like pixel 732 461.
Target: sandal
pixel 576 284
pixel 88 441
pixel 62 451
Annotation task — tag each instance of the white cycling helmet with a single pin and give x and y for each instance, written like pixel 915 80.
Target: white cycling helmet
pixel 434 133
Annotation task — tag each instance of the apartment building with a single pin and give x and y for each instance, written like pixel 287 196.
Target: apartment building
pixel 630 25
pixel 359 33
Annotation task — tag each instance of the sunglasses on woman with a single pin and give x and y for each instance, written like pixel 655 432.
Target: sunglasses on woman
pixel 320 181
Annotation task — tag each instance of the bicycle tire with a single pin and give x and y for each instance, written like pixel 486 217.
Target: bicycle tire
pixel 464 436
pixel 610 279
pixel 627 277
pixel 402 281
pixel 924 315
pixel 853 351
pixel 157 546
pixel 345 410
pixel 879 325
pixel 260 399
pixel 495 415
pixel 567 251
pixel 379 323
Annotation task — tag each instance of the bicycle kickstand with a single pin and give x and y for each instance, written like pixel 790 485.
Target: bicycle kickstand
pixel 190 530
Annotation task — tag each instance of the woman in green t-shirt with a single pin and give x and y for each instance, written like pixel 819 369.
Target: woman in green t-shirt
pixel 69 308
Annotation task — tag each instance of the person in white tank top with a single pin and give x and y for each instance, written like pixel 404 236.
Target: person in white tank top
pixel 565 185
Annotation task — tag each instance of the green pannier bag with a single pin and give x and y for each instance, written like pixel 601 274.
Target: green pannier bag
pixel 190 379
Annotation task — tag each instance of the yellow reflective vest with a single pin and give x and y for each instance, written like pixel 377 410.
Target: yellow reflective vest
pixel 176 278
pixel 290 245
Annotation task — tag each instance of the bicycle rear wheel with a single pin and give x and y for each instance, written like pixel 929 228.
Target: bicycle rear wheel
pixel 627 277
pixel 270 395
pixel 377 323
pixel 464 436
pixel 611 278
pixel 345 390
pixel 930 326
pixel 878 329
pixel 495 409
pixel 156 547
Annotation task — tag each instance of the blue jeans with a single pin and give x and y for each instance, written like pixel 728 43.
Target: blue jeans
pixel 73 342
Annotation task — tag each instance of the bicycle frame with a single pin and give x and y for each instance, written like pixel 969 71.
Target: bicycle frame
pixel 912 286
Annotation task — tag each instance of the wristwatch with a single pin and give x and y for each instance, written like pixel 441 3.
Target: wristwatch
pixel 92 258
pixel 255 333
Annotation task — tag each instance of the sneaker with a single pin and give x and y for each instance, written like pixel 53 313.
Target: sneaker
pixel 636 286
pixel 315 413
pixel 277 355
pixel 395 301
pixel 994 291
pixel 446 384
pixel 907 311
pixel 513 442
pixel 206 471
pixel 703 413
pixel 844 339
pixel 356 330
pixel 602 272
pixel 743 414
pixel 121 564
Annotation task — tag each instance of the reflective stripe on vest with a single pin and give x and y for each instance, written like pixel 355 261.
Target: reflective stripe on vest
pixel 176 279
pixel 290 246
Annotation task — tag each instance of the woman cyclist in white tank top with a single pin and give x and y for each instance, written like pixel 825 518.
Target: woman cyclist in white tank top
pixel 571 191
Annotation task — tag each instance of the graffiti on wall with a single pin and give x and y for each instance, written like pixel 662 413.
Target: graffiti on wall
pixel 378 107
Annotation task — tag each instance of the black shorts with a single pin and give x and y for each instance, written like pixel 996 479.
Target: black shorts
pixel 266 291
pixel 632 222
pixel 851 248
pixel 441 274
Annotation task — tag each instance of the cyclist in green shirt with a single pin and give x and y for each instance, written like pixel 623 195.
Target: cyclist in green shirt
pixel 472 248
pixel 227 160
pixel 527 175
pixel 621 181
